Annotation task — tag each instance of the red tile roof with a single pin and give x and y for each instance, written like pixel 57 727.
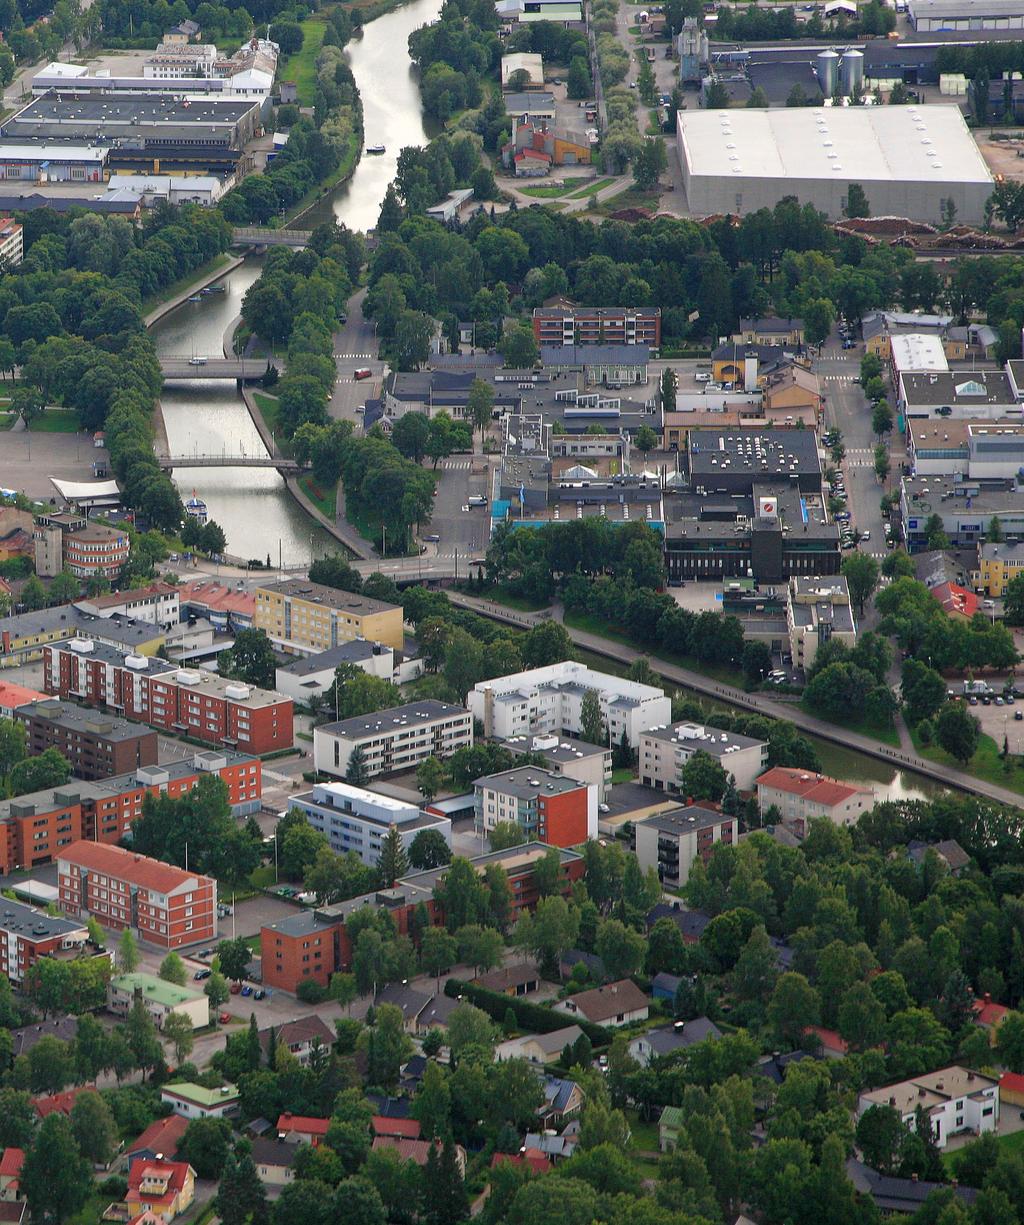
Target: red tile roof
pixel 406 1129
pixel 407 1150
pixel 956 600
pixel 114 599
pixel 175 1172
pixel 816 788
pixel 987 1013
pixel 303 1123
pixel 1009 1080
pixel 163 1136
pixel 60 1103
pixel 218 596
pixel 533 1157
pixel 127 865
pixel 830 1040
pixel 12 696
pixel 11 1162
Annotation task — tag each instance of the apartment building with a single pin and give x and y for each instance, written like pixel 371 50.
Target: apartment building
pixel 160 998
pixel 12 243
pixel 83 546
pixel 569 758
pixel 801 796
pixel 314 943
pixel 997 565
pixel 568 324
pixel 198 704
pixel 353 819
pixel 158 603
pixel 393 740
pixel 546 807
pixel 663 751
pixel 311 676
pixel 23 636
pixel 26 934
pixel 96 745
pixel 166 905
pixel 34 827
pixel 303 617
pixel 549 701
pixel 955 1099
pixel 818 610
pixel 671 842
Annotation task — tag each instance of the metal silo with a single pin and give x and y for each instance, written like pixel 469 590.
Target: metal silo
pixel 851 71
pixel 828 72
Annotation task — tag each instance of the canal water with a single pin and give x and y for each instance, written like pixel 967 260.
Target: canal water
pixel 252 505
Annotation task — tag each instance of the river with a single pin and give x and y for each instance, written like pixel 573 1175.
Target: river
pixel 258 515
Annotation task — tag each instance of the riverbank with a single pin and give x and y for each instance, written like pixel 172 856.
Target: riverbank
pixel 181 291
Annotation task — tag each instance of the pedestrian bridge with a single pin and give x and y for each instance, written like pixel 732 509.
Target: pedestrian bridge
pixel 226 460
pixel 264 236
pixel 241 369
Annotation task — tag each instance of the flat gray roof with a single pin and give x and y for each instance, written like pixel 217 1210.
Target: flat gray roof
pixel 685 820
pixel 345 652
pixel 333 597
pixel 83 720
pixel 525 782
pixel 67 106
pixel 384 722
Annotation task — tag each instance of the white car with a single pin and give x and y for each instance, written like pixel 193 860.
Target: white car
pixel 197 361
pixel 865 535
pixel 702 376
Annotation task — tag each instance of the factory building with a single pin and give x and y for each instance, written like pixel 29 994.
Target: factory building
pixel 909 161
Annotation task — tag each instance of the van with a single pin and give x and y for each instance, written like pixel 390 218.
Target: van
pixel 364 372
pixel 988 603
pixel 476 499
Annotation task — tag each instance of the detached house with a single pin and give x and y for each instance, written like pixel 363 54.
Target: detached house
pixel 619 1003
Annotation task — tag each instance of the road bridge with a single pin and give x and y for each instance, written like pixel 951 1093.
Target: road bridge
pixel 240 369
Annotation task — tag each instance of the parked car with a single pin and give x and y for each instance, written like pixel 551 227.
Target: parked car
pixel 236 988
pixel 1018 715
pixel 247 990
pixel 201 974
pixel 224 1018
pixel 260 994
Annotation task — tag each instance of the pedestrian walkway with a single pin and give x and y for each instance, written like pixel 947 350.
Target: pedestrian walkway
pixel 364 355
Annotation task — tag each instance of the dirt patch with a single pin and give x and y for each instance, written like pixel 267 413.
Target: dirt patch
pixel 1003 157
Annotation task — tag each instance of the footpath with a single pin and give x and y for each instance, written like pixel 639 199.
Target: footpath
pixel 756 703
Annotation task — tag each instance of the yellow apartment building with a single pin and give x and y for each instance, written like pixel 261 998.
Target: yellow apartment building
pixel 303 618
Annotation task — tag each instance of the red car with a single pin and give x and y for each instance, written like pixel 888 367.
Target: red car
pixel 224 1018
pixel 236 988
pixel 364 372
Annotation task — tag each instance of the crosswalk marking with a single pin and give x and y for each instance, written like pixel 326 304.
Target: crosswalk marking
pixel 838 378
pixel 364 355
pixel 461 464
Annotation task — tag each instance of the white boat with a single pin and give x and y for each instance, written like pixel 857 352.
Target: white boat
pixel 375 149
pixel 196 508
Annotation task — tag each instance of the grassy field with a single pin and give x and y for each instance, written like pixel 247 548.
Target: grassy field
pixel 501 595
pixel 544 193
pixel 591 189
pixel 863 727
pixel 324 499
pixel 202 273
pixel 270 410
pixel 986 764
pixel 55 421
pixel 301 67
pixel 625 775
pixel 632 197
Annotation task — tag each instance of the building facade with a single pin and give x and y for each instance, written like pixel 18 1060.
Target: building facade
pixel 96 745
pixel 569 758
pixel 670 842
pixel 26 934
pixel 818 610
pixel 83 546
pixel 569 324
pixel 801 796
pixel 998 564
pixel 955 1099
pixel 196 703
pixel 664 751
pixel 158 603
pixel 393 740
pixel 12 243
pixel 166 905
pixel 304 618
pixel 546 807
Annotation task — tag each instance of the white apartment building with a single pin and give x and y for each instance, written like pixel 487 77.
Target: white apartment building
pixel 801 796
pixel 12 243
pixel 393 740
pixel 956 1100
pixel 550 700
pixel 568 758
pixel 663 751
pixel 818 610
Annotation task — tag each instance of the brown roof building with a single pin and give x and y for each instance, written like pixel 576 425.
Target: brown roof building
pixel 614 1004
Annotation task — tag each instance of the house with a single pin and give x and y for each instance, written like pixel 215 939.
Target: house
pixel 691 923
pixel 302 1129
pixel 770 331
pixel 196 1102
pixel 669 1126
pixel 593 964
pixel 831 1044
pixel 299 1036
pixel 657 1043
pixel 957 601
pixel 539 1048
pixel 989 1016
pixel 800 796
pixel 411 1077
pixel 552 1146
pixel 435 1014
pixel 160 998
pixel 1011 1088
pixel 664 986
pixel 160 1139
pixel 10 1173
pixel 519 979
pixel 791 396
pixel 24 1039
pixel 955 1099
pixel 537 1161
pixel 614 1004
pixel 165 1188
pixel 417 1150
pixel 409 1001
pixel 60 1103
pixel 274 1160
pixel 948 850
pixel 403 1129
pixel 890 1194
pixel 562 1098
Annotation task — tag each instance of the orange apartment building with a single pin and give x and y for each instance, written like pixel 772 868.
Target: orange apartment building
pixel 314 944
pixel 168 906
pixel 35 827
pixel 564 323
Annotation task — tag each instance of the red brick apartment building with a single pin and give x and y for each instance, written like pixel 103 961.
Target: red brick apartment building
pixel 34 828
pixel 196 703
pixel 96 745
pixel 167 905
pixel 546 807
pixel 26 934
pixel 315 945
pixel 566 324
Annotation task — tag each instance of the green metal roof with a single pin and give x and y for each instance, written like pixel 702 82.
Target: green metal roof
pixel 671 1116
pixel 156 989
pixel 203 1097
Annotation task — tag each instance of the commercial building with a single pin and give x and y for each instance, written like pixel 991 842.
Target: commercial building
pixel 353 819
pixel 168 906
pixel 83 546
pixel 954 1099
pixel 52 163
pixel 157 603
pixel 818 610
pixel 194 703
pixel 523 61
pixel 670 842
pixel 97 746
pixel 568 324
pixel 549 701
pixel 546 807
pixel 393 740
pixel 609 365
pixel 801 796
pixel 435 391
pixel 160 998
pixel 965 507
pixel 879 327
pixel 35 826
pixel 569 758
pixel 909 160
pixel 981 395
pixel 728 462
pixel 663 752
pixel 314 943
pixel 535 147
pixel 304 618
pixel 26 934
pixel 997 565
pixel 312 676
pixel 791 396
pixel 967 16
pixel 771 330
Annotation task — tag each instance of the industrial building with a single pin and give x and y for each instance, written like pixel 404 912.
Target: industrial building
pixel 970 16
pixel 909 161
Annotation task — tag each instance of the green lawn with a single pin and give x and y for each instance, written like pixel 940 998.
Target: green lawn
pixel 986 764
pixel 625 775
pixel 644 1136
pixel 201 273
pixel 301 67
pixel 501 595
pixel 263 876
pixel 325 499
pixel 632 197
pixel 55 421
pixel 270 410
pixel 591 189
pixel 544 193
pixel 864 727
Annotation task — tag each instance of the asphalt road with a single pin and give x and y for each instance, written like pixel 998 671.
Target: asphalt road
pixel 355 346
